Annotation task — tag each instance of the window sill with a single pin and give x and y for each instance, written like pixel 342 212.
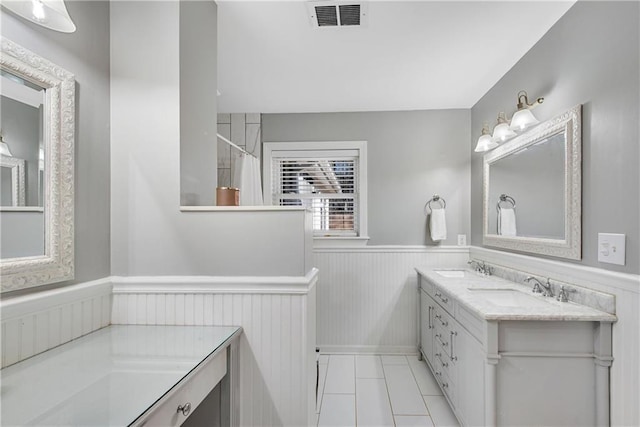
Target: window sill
pixel 340 242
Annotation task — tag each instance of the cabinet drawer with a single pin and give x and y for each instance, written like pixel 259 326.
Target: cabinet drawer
pixel 192 392
pixel 443 299
pixel 445 363
pixel 447 385
pixel 441 340
pixel 426 286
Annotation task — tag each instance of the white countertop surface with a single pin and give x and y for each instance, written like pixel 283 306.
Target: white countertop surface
pixel 467 291
pixel 106 378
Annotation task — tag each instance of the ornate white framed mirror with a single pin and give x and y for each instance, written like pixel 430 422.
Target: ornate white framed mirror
pixel 532 190
pixel 37 244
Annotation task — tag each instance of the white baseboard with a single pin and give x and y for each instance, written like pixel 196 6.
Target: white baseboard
pixel 367 349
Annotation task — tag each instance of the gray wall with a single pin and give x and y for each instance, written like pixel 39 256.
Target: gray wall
pixel 198 104
pixel 590 57
pixel 411 156
pixel 86 54
pixel 150 235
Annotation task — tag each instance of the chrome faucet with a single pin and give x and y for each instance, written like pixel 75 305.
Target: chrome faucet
pixel 481 267
pixel 563 296
pixel 539 287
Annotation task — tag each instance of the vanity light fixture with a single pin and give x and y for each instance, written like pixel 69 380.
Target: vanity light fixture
pixel 502 132
pixel 485 142
pixel 4 147
pixel 523 118
pixel 50 14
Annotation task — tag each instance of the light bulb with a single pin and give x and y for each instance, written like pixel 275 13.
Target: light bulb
pixel 38 11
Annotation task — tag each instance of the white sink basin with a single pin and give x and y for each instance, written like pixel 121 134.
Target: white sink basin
pixel 508 298
pixel 450 273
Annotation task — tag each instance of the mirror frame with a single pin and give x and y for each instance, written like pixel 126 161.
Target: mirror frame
pixel 571 246
pixel 57 263
pixel 18 191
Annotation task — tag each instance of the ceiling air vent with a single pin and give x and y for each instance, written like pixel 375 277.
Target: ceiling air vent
pixel 328 14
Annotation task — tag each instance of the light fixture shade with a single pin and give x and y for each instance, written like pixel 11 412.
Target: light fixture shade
pixel 502 132
pixel 4 149
pixel 485 143
pixel 50 14
pixel 522 119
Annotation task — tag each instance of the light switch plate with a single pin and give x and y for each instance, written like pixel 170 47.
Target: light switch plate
pixel 611 248
pixel 462 240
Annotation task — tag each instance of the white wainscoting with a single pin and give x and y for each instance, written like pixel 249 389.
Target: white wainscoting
pixel 277 348
pixel 367 296
pixel 38 322
pixel 625 370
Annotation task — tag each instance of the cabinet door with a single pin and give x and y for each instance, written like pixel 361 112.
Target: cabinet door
pixel 470 387
pixel 426 326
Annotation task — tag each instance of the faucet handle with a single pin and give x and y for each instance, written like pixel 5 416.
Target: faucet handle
pixel 563 295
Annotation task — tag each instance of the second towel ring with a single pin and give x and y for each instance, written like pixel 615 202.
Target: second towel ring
pixel 435 198
pixel 508 199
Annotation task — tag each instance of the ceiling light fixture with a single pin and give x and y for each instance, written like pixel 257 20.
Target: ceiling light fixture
pixel 485 142
pixel 50 14
pixel 502 132
pixel 4 148
pixel 523 118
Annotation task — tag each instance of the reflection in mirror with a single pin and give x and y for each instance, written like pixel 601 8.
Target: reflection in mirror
pixel 532 189
pixel 37 109
pixel 532 178
pixel 22 111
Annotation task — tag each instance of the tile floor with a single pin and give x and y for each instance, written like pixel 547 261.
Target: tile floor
pixel 371 390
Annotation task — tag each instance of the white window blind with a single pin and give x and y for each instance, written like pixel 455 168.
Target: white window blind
pixel 326 185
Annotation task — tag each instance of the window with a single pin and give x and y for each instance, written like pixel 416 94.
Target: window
pixel 327 178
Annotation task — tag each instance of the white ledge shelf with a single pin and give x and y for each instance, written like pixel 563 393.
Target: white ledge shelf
pixel 240 208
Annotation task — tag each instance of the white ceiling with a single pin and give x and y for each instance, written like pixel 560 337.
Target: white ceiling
pixel 411 55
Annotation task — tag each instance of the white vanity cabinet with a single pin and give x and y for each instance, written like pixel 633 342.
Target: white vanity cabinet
pixel 518 365
pixel 455 358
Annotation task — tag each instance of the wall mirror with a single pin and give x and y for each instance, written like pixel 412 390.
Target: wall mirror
pixel 37 181
pixel 532 190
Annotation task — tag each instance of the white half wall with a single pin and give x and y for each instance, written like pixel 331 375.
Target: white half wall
pixel 277 347
pixel 150 236
pixel 38 322
pixel 368 297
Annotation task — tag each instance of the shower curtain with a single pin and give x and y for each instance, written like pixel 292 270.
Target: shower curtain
pixel 250 182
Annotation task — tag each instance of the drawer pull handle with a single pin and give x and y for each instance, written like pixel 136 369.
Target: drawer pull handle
pixel 444 300
pixel 185 409
pixel 453 334
pixel 438 294
pixel 445 385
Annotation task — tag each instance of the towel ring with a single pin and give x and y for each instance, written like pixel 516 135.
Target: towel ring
pixel 435 198
pixel 507 199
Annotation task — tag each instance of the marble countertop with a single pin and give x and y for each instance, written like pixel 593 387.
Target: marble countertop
pixel 475 292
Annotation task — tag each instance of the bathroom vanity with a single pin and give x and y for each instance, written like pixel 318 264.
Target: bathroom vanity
pixel 125 375
pixel 504 356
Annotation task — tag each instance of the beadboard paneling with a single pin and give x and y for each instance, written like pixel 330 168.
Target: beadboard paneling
pixel 277 348
pixel 625 370
pixel 38 322
pixel 367 297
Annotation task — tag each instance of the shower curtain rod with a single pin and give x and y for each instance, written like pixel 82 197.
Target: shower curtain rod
pixel 236 146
